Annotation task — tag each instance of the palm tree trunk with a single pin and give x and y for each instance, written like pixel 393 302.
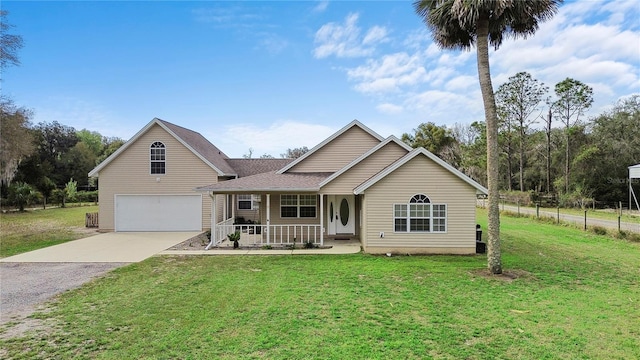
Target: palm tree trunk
pixel 494 259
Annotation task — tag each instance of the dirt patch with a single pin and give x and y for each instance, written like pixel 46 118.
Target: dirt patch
pixel 506 276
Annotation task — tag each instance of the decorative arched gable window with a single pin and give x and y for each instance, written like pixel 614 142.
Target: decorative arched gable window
pixel 157 153
pixel 420 215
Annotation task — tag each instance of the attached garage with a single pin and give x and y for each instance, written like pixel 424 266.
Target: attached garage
pixel 158 212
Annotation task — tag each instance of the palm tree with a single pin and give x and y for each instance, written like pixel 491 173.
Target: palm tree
pixel 459 24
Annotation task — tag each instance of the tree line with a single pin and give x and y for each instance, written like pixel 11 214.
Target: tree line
pixel 546 145
pixel 46 159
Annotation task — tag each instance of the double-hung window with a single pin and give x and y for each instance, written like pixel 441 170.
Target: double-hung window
pixel 248 201
pixel 420 215
pixel 298 206
pixel 245 202
pixel 157 153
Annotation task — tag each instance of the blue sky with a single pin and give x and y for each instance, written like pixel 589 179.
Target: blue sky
pixel 276 75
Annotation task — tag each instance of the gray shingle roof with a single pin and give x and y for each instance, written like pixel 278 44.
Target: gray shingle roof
pixel 270 181
pixel 202 146
pixel 248 167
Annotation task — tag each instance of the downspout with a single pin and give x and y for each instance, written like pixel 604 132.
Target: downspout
pixel 213 220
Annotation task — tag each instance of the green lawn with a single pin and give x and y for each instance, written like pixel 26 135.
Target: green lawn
pixel 35 229
pixel 574 295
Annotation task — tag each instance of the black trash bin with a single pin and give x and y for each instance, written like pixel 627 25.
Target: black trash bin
pixel 481 247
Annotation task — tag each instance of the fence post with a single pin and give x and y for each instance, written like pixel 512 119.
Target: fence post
pixel 585 219
pixel 538 211
pixel 620 202
pixel 618 223
pixel 518 207
pixel 558 215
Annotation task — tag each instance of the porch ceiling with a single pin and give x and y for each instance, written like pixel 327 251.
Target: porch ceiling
pixel 269 182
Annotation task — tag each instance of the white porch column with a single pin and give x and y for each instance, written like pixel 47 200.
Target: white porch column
pixel 224 208
pixel 268 217
pixel 213 220
pixel 321 219
pixel 233 206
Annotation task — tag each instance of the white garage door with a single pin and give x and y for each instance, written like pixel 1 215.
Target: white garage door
pixel 158 212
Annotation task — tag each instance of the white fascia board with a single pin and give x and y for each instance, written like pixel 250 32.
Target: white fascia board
pixel 366 155
pixel 95 172
pixel 220 172
pixel 328 140
pixel 419 151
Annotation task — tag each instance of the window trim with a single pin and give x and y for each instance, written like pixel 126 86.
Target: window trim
pixel 402 215
pixel 154 146
pixel 250 200
pixel 298 206
pixel 254 199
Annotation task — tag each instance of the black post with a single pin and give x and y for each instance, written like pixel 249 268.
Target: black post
pixel 585 219
pixel 558 216
pixel 618 223
pixel 518 207
pixel 538 211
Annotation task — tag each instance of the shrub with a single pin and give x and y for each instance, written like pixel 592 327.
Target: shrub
pixel 309 245
pixel 22 194
pixel 87 196
pixel 599 230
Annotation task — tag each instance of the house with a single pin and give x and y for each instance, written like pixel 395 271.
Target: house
pixel 353 185
pixel 147 184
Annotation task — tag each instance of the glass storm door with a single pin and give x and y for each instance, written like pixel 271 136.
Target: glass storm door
pixel 341 214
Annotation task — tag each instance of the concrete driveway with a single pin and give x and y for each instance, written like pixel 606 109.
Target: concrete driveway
pixel 117 247
pixel 32 278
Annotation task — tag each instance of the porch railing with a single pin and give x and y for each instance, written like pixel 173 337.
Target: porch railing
pixel 258 234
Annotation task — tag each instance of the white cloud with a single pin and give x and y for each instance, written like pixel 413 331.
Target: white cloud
pixel 596 42
pixel 388 108
pixel 389 73
pixel 344 41
pixel 235 16
pixel 321 6
pixel 274 44
pixel 376 34
pixel 461 83
pixel 236 140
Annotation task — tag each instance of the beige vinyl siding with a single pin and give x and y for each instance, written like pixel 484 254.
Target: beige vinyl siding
pixel 130 173
pixel 373 164
pixel 420 175
pixel 338 152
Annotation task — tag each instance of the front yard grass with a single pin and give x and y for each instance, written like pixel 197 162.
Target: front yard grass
pixel 35 229
pixel 567 294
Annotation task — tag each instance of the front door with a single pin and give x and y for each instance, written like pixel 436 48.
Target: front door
pixel 341 214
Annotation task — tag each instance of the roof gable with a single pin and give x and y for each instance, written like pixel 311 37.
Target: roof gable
pixel 317 148
pixel 364 156
pixel 192 140
pixel 417 152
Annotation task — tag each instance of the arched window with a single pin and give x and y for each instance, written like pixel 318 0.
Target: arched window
pixel 157 153
pixel 420 199
pixel 420 215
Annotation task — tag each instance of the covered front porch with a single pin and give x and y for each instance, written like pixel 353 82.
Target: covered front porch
pixel 266 234
pixel 273 209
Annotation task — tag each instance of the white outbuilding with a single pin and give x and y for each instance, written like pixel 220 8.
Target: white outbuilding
pixel 634 173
